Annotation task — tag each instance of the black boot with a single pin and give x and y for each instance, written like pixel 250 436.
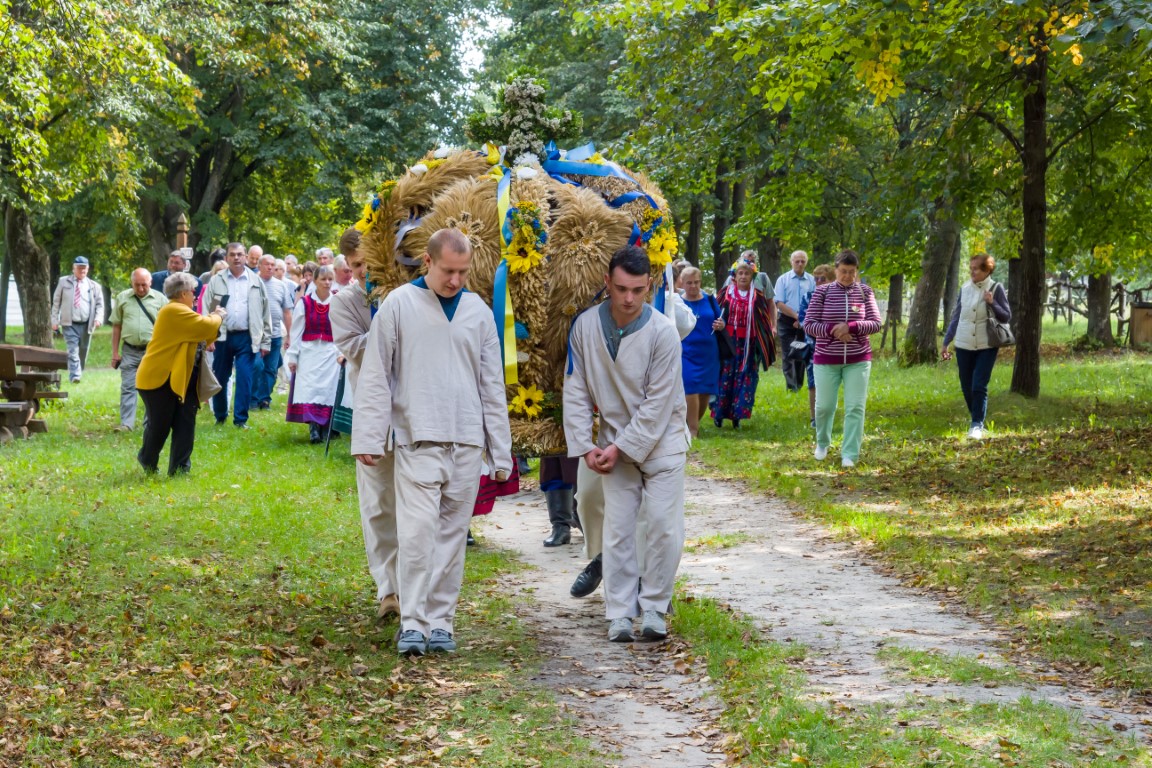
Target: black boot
pixel 560 515
pixel 561 534
pixel 314 435
pixel 589 579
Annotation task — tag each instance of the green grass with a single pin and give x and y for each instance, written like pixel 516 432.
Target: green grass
pixel 773 722
pixel 227 617
pixel 1046 525
pixel 930 666
pixel 717 541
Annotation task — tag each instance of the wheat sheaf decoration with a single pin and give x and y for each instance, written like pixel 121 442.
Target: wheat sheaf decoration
pixel 543 223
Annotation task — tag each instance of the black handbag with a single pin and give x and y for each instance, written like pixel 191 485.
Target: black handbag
pixel 724 344
pixel 999 334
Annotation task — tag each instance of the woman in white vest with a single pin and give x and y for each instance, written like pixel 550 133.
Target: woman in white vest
pixel 979 299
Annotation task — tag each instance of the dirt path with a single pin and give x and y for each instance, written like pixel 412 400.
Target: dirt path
pixel 632 699
pixel 798 584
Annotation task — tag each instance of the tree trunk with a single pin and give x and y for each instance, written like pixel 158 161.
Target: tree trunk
pixel 920 341
pixel 952 284
pixel 739 196
pixel 895 314
pixel 33 279
pixel 695 225
pixel 5 277
pixel 770 258
pixel 1034 195
pixel 1100 310
pixel 723 194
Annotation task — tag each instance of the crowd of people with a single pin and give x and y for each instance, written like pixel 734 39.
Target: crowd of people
pixel 637 386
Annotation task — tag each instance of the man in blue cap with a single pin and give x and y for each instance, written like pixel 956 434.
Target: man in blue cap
pixel 77 311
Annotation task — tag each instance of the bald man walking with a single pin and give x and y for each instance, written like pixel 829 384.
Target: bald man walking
pixel 133 315
pixel 432 389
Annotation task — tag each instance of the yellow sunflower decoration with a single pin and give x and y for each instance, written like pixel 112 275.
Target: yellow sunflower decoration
pixel 528 401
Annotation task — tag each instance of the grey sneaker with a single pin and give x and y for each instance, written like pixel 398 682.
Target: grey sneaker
pixel 654 627
pixel 620 630
pixel 441 642
pixel 412 643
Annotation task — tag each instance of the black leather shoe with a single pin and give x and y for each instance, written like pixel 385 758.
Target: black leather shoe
pixel 314 435
pixel 561 534
pixel 471 540
pixel 589 579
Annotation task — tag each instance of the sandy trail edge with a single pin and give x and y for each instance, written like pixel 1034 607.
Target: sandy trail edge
pixel 790 577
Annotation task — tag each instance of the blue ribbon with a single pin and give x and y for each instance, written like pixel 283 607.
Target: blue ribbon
pixel 660 297
pixel 502 192
pixel 368 288
pixel 499 291
pixel 574 164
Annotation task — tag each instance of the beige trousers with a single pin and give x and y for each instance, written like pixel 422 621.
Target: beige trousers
pixel 590 504
pixel 629 589
pixel 436 485
pixel 377 492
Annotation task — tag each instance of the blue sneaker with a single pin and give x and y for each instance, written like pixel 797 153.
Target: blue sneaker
pixel 441 642
pixel 412 643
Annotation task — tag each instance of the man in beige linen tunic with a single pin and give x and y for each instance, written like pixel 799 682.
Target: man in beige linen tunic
pixel 626 361
pixel 432 383
pixel 351 316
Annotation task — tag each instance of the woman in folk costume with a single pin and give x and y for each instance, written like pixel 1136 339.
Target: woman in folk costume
pixel 747 315
pixel 313 359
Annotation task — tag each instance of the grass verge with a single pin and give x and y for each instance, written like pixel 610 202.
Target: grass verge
pixel 226 618
pixel 773 722
pixel 1045 526
pixel 933 666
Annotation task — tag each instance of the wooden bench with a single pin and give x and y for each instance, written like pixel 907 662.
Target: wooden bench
pixel 25 375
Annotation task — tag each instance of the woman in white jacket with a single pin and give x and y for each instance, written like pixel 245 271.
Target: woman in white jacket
pixel 980 298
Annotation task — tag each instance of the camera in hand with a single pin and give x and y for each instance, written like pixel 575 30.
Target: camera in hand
pixel 224 301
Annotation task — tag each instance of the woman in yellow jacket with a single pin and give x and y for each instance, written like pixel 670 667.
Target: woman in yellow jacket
pixel 166 378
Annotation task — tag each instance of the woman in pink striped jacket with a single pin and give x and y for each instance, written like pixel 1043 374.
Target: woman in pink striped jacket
pixel 841 316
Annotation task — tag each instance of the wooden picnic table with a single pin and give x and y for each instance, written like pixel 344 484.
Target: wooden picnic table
pixel 27 376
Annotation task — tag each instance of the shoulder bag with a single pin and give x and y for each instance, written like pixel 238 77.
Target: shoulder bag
pixel 207 384
pixel 999 334
pixel 724 344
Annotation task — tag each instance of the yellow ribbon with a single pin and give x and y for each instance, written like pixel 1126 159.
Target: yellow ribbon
pixel 503 204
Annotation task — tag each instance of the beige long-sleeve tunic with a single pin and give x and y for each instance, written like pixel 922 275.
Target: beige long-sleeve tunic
pixel 431 379
pixel 640 394
pixel 351 318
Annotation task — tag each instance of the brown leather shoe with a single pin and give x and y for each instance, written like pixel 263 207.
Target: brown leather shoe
pixel 389 606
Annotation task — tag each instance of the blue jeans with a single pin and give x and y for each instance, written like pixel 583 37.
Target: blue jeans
pixel 975 367
pixel 234 352
pixel 77 337
pixel 264 374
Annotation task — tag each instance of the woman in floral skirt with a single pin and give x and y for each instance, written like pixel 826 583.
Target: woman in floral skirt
pixel 747 316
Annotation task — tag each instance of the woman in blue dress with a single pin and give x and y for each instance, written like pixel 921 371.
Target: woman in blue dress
pixel 701 356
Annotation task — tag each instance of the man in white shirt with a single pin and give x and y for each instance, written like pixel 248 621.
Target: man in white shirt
pixel 77 311
pixel 343 274
pixel 432 386
pixel 626 363
pixel 280 303
pixel 792 288
pixel 245 334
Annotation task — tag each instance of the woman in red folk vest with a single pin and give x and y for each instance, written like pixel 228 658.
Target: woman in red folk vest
pixel 313 359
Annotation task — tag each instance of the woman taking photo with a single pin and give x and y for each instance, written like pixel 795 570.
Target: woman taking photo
pixel 168 374
pixel 747 316
pixel 701 357
pixel 979 299
pixel 841 316
pixel 313 359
